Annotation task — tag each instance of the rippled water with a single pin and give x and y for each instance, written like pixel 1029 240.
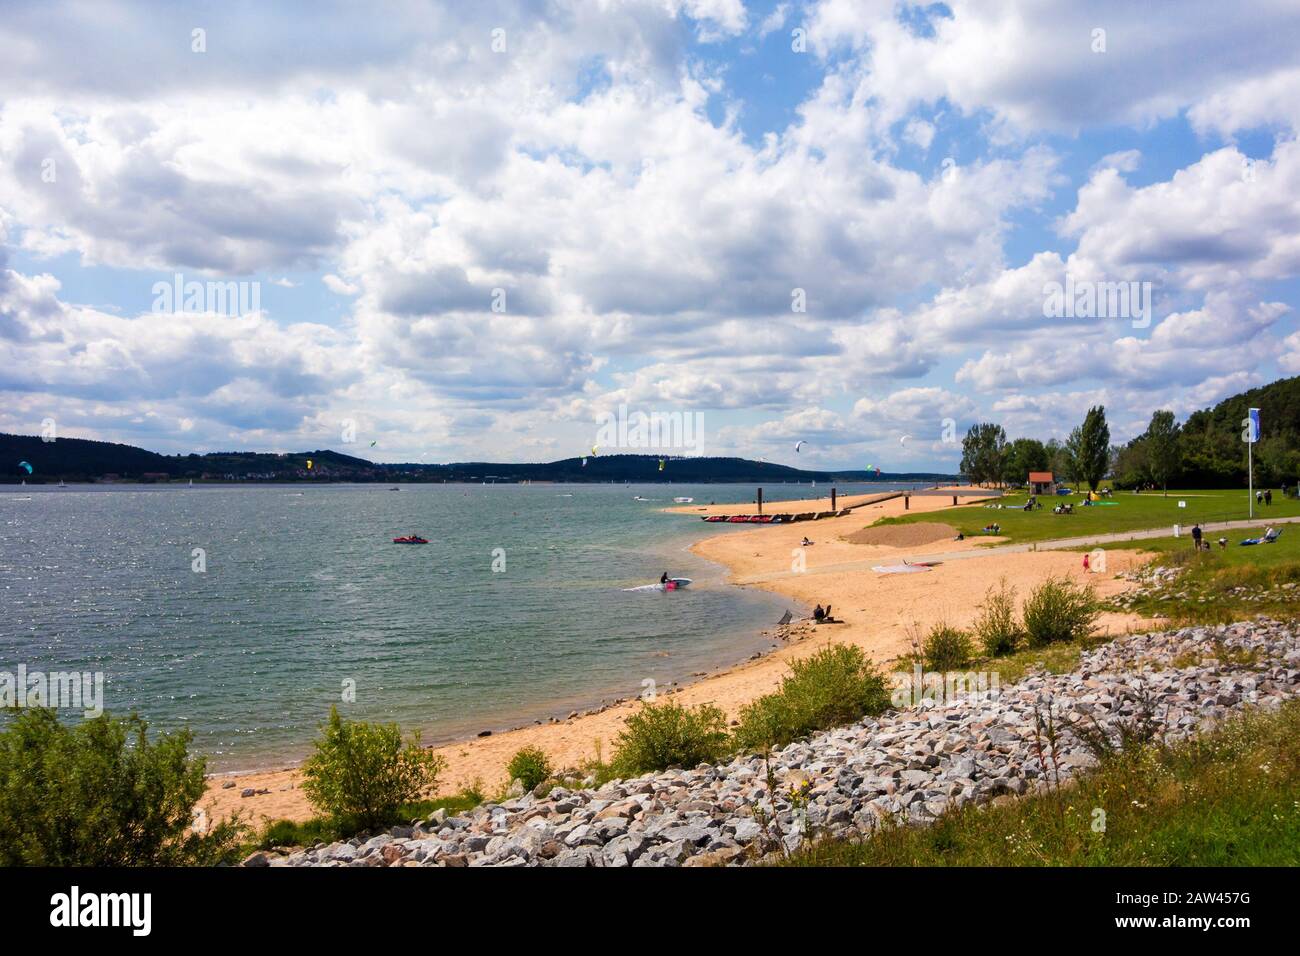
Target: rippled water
pixel 304 590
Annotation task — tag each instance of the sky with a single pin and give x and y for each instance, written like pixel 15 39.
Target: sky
pixel 475 231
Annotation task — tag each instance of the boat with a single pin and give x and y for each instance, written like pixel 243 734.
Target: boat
pixel 716 517
pixel 672 584
pixel 411 539
pixel 683 501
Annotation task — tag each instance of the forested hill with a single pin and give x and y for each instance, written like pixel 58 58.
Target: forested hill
pixel 1213 453
pixel 76 459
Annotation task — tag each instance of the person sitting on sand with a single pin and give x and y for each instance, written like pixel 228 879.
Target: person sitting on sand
pixel 823 615
pixel 806 542
pixel 960 537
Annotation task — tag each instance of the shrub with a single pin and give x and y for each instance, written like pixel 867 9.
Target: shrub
pixel 362 773
pixel 996 627
pixel 530 766
pixel 1060 610
pixel 100 793
pixel 659 736
pixel 836 685
pixel 946 648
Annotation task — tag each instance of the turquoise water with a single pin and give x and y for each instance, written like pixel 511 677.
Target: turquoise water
pixel 303 590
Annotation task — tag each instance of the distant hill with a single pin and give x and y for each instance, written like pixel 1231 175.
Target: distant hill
pixel 77 459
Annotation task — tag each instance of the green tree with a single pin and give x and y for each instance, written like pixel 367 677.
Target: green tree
pixel 101 793
pixel 360 774
pixel 982 452
pixel 1023 456
pixel 1129 467
pixel 1089 448
pixel 1162 449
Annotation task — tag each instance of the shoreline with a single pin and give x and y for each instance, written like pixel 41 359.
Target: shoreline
pixel 881 610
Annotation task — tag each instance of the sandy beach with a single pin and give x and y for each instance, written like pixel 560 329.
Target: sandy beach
pixel 881 612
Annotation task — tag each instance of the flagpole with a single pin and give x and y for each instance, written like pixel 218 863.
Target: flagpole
pixel 1250 477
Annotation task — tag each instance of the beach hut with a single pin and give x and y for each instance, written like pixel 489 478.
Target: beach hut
pixel 1041 483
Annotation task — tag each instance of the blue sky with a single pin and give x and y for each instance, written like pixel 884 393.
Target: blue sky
pixel 476 231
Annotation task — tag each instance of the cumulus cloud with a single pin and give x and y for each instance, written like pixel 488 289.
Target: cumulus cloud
pixel 514 238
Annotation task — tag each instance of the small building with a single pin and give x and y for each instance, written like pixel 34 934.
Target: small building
pixel 1041 483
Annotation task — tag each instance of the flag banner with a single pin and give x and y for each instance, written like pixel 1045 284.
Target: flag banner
pixel 1251 433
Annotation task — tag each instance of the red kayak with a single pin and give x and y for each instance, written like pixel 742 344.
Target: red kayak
pixel 411 539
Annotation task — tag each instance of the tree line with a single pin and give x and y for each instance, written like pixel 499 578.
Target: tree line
pixel 1205 451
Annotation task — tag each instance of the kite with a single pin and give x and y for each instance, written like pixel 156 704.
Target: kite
pixel 23 464
pixel 798 445
pixel 309 464
pixel 661 464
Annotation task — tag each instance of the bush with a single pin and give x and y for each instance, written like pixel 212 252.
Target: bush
pixel 837 685
pixel 946 648
pixel 530 766
pixel 100 793
pixel 659 736
pixel 996 628
pixel 1060 610
pixel 362 773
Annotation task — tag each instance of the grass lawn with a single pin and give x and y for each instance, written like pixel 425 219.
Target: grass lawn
pixel 1171 550
pixel 1125 512
pixel 1228 798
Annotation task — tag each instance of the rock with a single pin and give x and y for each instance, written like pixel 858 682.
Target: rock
pixel 911 765
pixel 256 859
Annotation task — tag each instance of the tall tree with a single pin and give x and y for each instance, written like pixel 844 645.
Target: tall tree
pixel 1163 452
pixel 982 453
pixel 1089 448
pixel 1023 456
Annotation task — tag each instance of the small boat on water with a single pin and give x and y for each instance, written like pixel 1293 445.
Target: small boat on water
pixel 411 539
pixel 683 501
pixel 672 584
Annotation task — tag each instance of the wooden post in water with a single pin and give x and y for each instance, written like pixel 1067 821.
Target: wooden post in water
pixel 759 499
pixel 832 499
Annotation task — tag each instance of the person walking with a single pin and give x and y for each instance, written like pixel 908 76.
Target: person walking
pixel 1196 536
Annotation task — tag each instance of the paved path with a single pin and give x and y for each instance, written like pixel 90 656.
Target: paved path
pixel 1057 544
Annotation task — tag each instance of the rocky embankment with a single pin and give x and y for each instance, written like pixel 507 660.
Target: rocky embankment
pixel 910 765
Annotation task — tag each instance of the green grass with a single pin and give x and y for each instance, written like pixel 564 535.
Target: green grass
pixel 1129 513
pixel 1219 587
pixel 324 830
pixel 1229 798
pixel 1055 658
pixel 1285 550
